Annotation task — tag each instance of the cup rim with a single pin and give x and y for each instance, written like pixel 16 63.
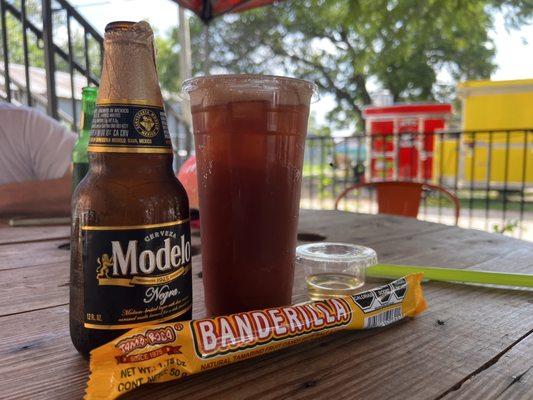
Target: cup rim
pixel 314 252
pixel 248 81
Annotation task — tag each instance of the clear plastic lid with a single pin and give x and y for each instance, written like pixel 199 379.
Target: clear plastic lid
pixel 222 89
pixel 336 253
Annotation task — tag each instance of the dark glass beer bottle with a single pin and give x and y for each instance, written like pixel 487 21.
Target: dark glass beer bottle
pixel 130 244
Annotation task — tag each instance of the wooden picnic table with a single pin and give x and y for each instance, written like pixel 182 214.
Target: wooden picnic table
pixel 472 343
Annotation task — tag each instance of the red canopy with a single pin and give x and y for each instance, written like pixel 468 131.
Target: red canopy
pixel 209 9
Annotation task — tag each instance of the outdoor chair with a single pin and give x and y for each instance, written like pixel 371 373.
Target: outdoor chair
pixel 401 198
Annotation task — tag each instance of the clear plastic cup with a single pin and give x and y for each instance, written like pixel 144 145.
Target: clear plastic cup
pixel 334 269
pixel 249 133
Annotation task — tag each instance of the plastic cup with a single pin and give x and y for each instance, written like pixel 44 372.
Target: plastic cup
pixel 334 269
pixel 249 133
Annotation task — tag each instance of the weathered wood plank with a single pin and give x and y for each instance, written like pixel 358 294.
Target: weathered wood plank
pixel 417 359
pixel 31 234
pixel 509 377
pixel 408 241
pixel 26 289
pixel 29 254
pixel 44 286
pixel 23 255
pixel 32 288
pixel 38 360
pixel 363 228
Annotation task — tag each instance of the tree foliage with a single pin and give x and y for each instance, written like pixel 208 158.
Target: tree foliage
pixel 167 58
pixel 14 37
pixel 342 45
pixel 345 46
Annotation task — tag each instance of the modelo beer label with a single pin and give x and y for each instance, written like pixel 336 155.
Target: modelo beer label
pixel 129 128
pixel 136 274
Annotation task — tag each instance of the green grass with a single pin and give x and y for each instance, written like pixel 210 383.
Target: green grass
pixel 325 178
pixel 494 204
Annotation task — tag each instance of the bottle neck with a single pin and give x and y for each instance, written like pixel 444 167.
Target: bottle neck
pixel 83 136
pixel 129 70
pixel 86 121
pixel 129 115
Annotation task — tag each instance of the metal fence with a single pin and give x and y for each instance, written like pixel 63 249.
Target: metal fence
pixel 49 52
pixel 53 37
pixel 491 172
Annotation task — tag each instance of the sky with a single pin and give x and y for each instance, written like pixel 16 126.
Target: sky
pixel 514 49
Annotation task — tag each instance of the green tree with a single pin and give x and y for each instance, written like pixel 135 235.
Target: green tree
pixel 167 56
pixel 314 128
pixel 14 36
pixel 168 68
pixel 342 45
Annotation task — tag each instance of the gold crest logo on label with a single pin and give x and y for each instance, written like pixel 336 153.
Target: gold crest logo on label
pixel 146 123
pixel 104 264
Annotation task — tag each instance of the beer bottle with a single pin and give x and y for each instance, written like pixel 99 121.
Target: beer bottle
pixel 80 158
pixel 130 243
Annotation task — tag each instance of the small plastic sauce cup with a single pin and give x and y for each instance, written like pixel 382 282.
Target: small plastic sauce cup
pixel 334 269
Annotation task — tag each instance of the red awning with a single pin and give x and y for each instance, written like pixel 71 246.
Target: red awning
pixel 209 9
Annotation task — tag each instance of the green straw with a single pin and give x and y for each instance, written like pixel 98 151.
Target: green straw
pixel 452 275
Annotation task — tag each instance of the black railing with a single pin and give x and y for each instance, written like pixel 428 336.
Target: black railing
pixel 49 53
pixel 491 172
pixel 57 45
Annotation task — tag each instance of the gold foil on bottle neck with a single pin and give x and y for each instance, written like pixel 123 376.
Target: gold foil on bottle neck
pixel 118 25
pixel 129 74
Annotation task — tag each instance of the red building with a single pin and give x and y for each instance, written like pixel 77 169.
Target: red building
pixel 401 139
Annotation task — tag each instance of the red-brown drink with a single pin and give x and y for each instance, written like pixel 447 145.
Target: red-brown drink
pixel 249 136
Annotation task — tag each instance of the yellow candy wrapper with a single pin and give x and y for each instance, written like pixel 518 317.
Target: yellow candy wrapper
pixel 161 353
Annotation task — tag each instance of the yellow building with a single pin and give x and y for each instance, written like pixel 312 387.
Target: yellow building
pixel 497 146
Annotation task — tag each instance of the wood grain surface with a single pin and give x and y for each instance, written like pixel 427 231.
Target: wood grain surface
pixel 32 234
pixel 472 343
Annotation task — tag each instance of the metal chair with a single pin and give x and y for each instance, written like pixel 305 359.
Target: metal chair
pixel 401 198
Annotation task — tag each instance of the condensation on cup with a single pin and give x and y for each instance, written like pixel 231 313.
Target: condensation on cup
pixel 249 133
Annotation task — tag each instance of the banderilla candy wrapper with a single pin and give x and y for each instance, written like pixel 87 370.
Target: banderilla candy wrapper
pixel 164 352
